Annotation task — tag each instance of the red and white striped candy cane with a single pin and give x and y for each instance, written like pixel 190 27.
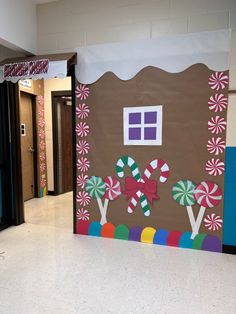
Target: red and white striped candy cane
pixel 156 164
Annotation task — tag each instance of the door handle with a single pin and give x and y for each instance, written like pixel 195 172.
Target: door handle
pixel 31 149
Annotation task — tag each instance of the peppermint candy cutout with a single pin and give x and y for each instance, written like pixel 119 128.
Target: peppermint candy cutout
pixel 217 125
pixel 82 92
pixel 42 145
pixel 82 129
pixel 113 188
pixel 216 146
pixel 215 167
pixel 95 187
pixel 213 222
pixel 82 111
pixel 83 164
pixel 43 182
pixel 207 194
pixel 41 122
pixel 218 80
pixel 82 147
pixel 83 198
pixel 42 134
pixel 82 214
pixel 42 166
pixel 42 156
pixel 218 102
pixel 81 180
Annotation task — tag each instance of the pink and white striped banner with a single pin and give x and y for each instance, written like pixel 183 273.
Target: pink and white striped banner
pixel 26 69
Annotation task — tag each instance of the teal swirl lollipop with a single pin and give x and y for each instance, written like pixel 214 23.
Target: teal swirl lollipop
pixel 96 188
pixel 182 193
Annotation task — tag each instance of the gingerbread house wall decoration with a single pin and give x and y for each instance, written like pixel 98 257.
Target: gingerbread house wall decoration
pixel 151 137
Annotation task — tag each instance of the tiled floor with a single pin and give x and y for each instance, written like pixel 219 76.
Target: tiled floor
pixel 47 269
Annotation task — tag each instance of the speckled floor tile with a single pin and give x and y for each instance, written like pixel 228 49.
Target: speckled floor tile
pixel 47 269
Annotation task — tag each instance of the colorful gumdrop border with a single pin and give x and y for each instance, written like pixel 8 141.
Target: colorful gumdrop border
pixel 151 235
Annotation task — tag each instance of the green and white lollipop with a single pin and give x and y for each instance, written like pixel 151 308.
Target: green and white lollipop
pixel 96 188
pixel 182 193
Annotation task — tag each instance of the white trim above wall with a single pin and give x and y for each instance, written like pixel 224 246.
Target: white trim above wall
pixel 172 54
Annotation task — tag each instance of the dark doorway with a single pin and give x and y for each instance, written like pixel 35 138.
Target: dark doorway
pixel 28 145
pixel 62 141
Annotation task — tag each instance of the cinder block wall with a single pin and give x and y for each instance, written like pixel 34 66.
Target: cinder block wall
pixel 66 24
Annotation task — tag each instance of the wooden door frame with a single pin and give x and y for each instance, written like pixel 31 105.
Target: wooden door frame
pixel 11 216
pixel 54 94
pixel 35 140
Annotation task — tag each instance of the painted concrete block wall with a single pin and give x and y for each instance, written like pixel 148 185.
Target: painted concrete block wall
pixel 67 24
pixel 18 28
pixel 49 86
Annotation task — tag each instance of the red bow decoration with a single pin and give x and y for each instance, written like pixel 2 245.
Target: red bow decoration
pixel 149 188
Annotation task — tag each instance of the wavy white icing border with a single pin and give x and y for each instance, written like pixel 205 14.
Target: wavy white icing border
pixel 172 54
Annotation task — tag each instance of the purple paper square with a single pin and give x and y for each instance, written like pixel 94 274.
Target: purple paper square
pixel 135 118
pixel 150 133
pixel 134 133
pixel 150 117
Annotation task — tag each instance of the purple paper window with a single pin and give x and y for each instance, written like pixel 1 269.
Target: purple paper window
pixel 135 133
pixel 143 125
pixel 150 133
pixel 135 118
pixel 150 117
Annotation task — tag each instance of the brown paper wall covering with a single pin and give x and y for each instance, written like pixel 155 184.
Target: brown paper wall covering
pixel 191 121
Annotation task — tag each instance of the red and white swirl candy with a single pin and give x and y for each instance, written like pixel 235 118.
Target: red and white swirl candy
pixel 81 180
pixel 82 147
pixel 215 167
pixel 216 146
pixel 213 222
pixel 218 102
pixel 82 111
pixel 83 164
pixel 42 166
pixel 83 198
pixel 82 129
pixel 207 194
pixel 82 214
pixel 113 188
pixel 82 92
pixel 218 80
pixel 217 125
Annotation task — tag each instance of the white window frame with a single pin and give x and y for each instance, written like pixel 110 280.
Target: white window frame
pixel 157 125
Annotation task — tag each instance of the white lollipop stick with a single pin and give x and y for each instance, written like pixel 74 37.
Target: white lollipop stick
pixel 103 211
pixel 191 216
pixel 198 222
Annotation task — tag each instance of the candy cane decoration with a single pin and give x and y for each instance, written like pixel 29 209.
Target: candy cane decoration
pixel 156 164
pixel 120 165
pixel 127 161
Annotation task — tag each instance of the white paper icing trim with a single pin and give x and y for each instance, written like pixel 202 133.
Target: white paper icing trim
pixel 172 54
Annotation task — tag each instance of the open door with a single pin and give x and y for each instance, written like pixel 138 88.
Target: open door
pixel 62 141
